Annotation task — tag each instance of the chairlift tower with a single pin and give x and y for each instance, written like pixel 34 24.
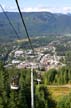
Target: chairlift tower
pixel 32 88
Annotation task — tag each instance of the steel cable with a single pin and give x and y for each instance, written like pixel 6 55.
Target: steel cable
pixel 10 22
pixel 24 26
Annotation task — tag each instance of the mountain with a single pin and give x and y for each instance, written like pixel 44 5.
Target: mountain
pixel 38 24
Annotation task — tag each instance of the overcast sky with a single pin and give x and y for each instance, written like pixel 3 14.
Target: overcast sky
pixel 55 6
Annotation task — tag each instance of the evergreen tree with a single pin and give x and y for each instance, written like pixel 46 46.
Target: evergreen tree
pixel 43 98
pixel 66 78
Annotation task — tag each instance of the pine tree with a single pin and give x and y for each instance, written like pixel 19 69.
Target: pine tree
pixel 43 98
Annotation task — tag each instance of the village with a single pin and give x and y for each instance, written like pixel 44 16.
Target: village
pixel 44 58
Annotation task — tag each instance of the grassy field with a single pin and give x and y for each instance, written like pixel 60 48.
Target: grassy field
pixel 58 92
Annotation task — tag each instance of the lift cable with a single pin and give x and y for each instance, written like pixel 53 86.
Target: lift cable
pixel 17 36
pixel 24 26
pixel 10 22
pixel 32 83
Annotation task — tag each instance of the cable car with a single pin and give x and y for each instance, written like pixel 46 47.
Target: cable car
pixel 14 83
pixel 38 79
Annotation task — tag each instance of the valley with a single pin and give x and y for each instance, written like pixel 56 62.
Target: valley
pixel 51 39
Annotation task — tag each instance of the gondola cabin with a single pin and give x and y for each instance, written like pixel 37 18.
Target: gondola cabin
pixel 14 83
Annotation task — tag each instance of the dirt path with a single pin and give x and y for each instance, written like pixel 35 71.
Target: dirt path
pixel 62 86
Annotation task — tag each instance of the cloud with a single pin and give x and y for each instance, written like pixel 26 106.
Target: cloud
pixel 46 9
pixel 8 8
pixel 67 9
pixel 39 9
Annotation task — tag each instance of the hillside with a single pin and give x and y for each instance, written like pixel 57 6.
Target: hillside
pixel 38 24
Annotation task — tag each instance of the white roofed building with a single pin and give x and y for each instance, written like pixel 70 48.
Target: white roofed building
pixel 18 53
pixel 16 61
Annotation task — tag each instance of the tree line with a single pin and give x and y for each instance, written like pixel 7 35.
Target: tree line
pixel 21 98
pixel 57 77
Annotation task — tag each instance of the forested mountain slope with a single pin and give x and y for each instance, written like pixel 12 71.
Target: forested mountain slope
pixel 38 24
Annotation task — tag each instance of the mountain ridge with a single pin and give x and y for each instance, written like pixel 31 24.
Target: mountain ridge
pixel 38 24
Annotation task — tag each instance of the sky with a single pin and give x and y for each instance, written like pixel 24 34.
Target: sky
pixel 54 6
